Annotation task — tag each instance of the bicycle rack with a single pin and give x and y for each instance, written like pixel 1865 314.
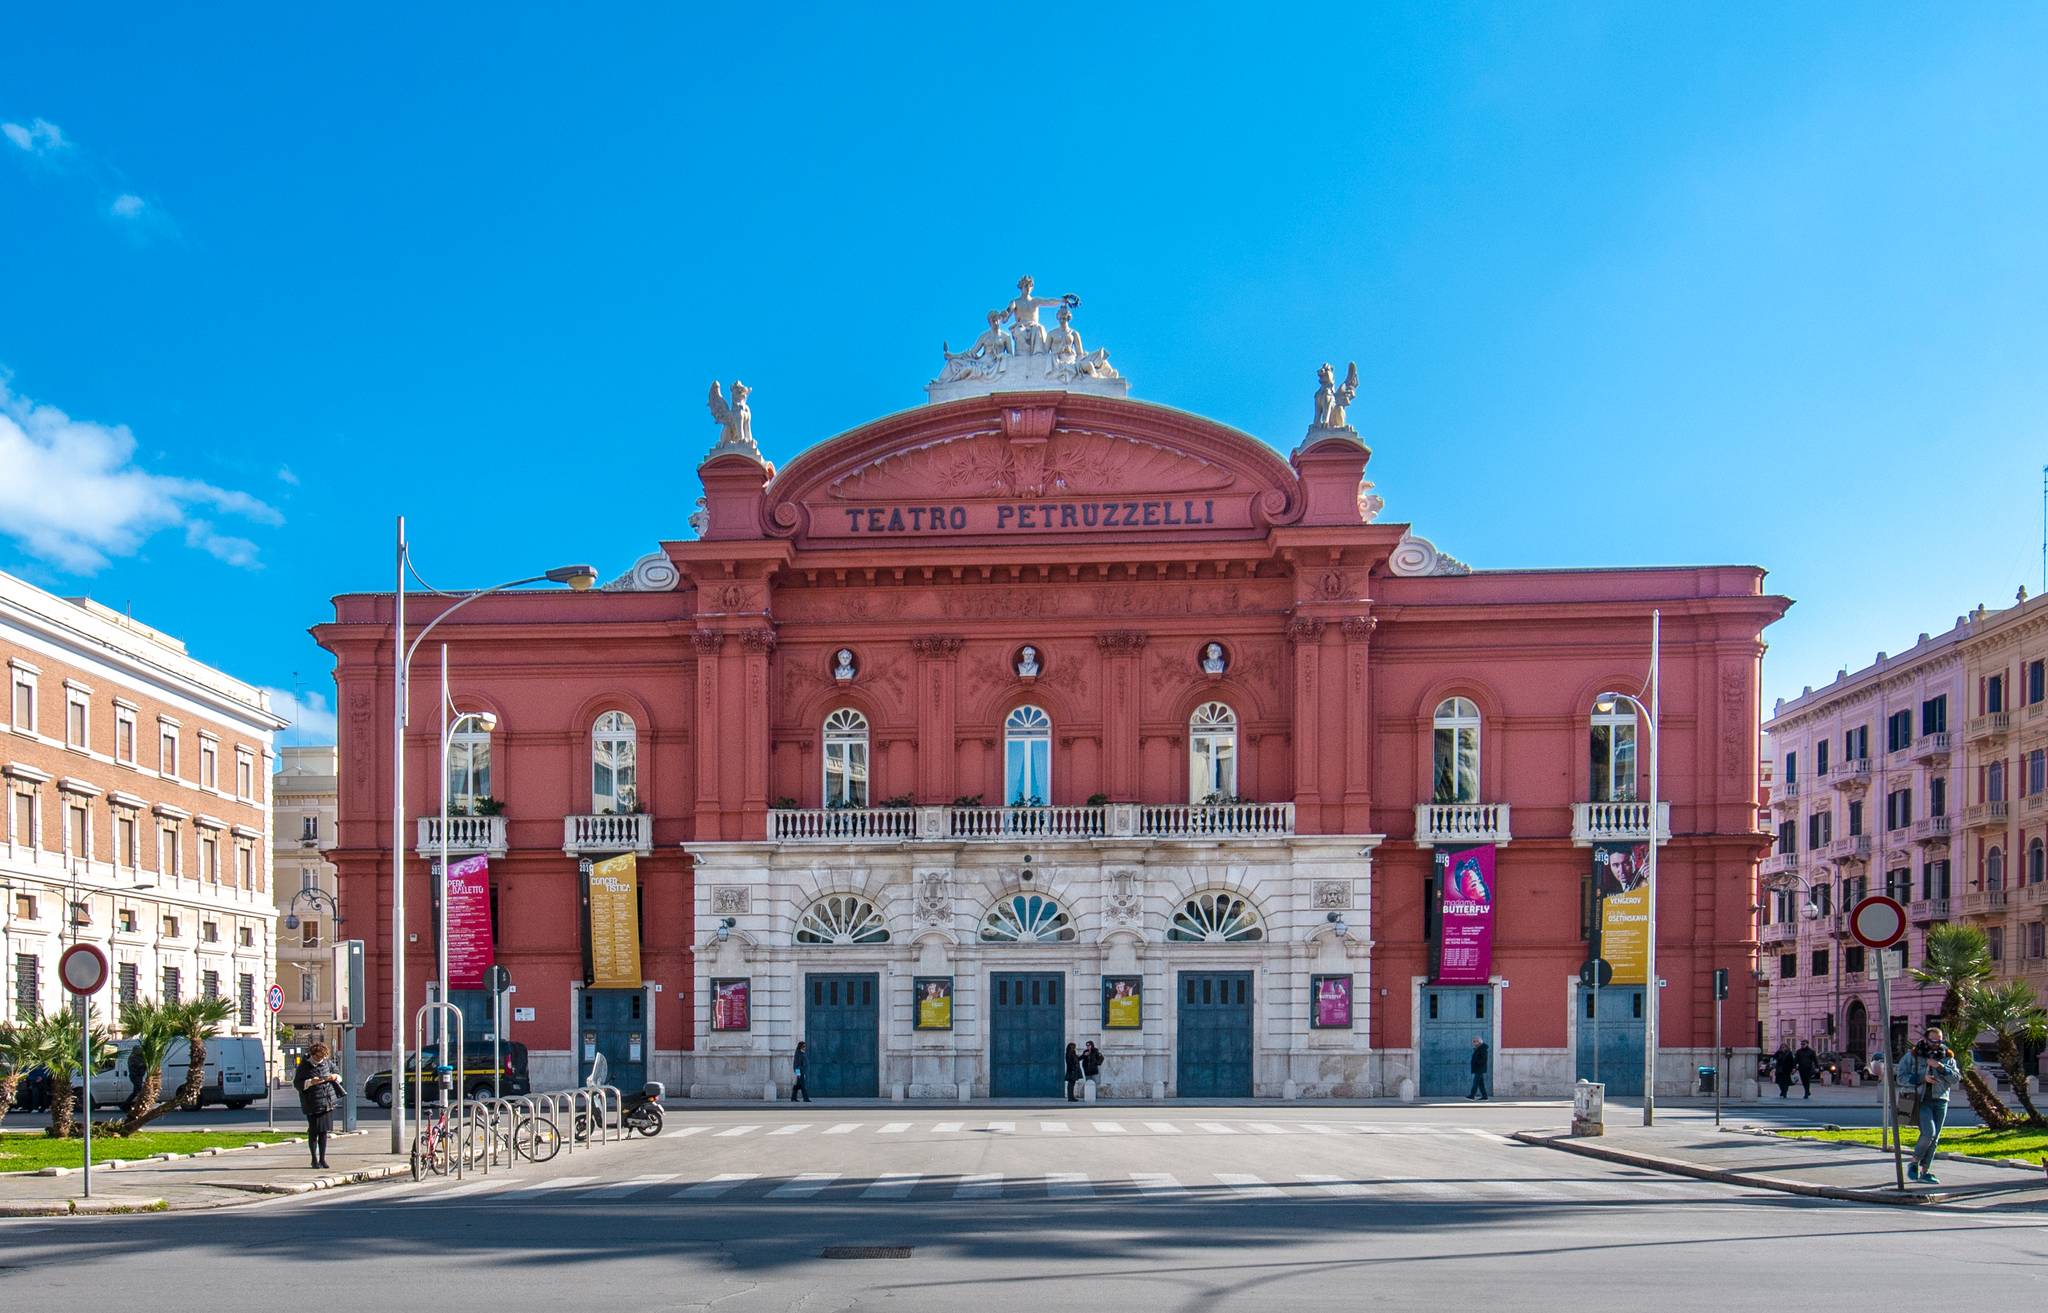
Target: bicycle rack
pixel 419 1096
pixel 617 1102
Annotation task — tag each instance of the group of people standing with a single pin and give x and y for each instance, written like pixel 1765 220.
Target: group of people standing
pixel 1786 1064
pixel 1082 1065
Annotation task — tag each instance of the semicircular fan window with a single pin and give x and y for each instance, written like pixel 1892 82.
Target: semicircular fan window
pixel 1027 919
pixel 1215 919
pixel 842 919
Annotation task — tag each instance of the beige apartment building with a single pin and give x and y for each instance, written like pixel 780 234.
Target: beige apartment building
pixel 308 907
pixel 2004 774
pixel 136 783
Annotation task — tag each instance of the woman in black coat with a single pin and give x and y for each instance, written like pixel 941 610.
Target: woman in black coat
pixel 1073 1074
pixel 1785 1065
pixel 320 1093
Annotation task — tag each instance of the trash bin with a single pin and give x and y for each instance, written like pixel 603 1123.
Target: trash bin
pixel 1707 1077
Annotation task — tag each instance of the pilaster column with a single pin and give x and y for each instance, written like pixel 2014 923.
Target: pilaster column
pixel 1357 631
pixel 1120 649
pixel 1306 633
pixel 708 732
pixel 756 646
pixel 938 673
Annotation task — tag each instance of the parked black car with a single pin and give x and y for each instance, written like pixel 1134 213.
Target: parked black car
pixel 475 1078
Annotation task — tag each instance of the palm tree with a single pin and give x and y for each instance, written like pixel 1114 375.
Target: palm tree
pixel 18 1048
pixel 57 1050
pixel 2012 1015
pixel 1959 957
pixel 196 1022
pixel 155 1027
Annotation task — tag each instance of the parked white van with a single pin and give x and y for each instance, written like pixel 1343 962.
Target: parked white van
pixel 234 1072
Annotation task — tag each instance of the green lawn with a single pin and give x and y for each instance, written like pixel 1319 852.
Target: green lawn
pixel 29 1151
pixel 1979 1143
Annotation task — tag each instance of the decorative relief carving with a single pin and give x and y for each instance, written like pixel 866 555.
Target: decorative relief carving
pixel 1125 902
pixel 758 640
pixel 934 899
pixel 1734 709
pixel 729 900
pixel 936 645
pixel 1305 629
pixel 652 573
pixel 1333 895
pixel 1331 584
pixel 1359 627
pixel 1007 604
pixel 1075 462
pixel 708 640
pixel 1121 641
pixel 1414 556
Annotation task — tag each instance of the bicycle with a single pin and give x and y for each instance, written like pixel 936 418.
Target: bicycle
pixel 524 1135
pixel 431 1150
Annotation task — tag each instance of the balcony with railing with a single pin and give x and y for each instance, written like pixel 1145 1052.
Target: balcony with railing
pixel 1618 822
pixel 1231 820
pixel 1460 822
pixel 467 836
pixel 1985 815
pixel 1850 773
pixel 1779 864
pixel 1929 909
pixel 1991 725
pixel 2033 805
pixel 1848 848
pixel 1983 902
pixel 608 835
pixel 1931 829
pixel 1784 791
pixel 1779 932
pixel 1930 747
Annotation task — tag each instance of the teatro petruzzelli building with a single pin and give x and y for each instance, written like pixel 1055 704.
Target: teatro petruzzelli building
pixel 1038 714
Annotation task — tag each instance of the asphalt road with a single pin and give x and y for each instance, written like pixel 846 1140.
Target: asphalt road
pixel 1036 1208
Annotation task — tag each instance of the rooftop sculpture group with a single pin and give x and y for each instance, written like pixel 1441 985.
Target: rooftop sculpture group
pixel 1016 350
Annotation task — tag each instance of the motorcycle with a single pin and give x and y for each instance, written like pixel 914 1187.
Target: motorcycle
pixel 640 1112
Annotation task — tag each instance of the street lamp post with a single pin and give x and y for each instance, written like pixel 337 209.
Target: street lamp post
pixel 579 578
pixel 1605 702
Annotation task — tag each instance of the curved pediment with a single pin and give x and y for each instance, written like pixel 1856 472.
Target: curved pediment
pixel 1040 465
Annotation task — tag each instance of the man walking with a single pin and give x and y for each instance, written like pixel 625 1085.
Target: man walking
pixel 1482 1053
pixel 1782 1065
pixel 1809 1066
pixel 1930 1073
pixel 797 1063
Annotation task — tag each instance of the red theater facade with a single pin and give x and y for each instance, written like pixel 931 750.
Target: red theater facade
pixel 1037 714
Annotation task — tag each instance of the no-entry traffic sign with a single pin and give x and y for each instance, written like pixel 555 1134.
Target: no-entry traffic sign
pixel 1878 922
pixel 83 969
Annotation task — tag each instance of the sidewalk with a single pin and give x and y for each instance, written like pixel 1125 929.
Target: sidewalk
pixel 1750 1156
pixel 201 1181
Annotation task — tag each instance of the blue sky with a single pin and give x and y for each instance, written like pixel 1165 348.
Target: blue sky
pixel 1626 284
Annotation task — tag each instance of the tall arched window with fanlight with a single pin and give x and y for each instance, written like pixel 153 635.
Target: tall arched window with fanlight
pixel 469 767
pixel 614 765
pixel 1994 869
pixel 2037 862
pixel 846 759
pixel 1614 752
pixel 1027 758
pixel 1456 751
pixel 1212 753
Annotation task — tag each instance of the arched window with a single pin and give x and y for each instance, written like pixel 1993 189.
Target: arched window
pixel 614 765
pixel 846 759
pixel 469 768
pixel 1457 751
pixel 1614 753
pixel 1216 918
pixel 1994 869
pixel 1212 753
pixel 1027 919
pixel 1994 782
pixel 2037 862
pixel 841 919
pixel 1027 758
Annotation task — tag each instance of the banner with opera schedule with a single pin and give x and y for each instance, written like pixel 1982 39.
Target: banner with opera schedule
pixel 612 923
pixel 470 954
pixel 1621 874
pixel 1465 915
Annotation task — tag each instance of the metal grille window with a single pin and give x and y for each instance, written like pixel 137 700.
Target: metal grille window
pixel 174 984
pixel 245 999
pixel 28 986
pixel 130 984
pixel 209 985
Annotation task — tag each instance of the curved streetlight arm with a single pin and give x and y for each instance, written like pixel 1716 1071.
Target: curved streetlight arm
pixel 405 703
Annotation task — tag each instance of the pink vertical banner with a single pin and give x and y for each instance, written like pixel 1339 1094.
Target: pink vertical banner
pixel 1465 920
pixel 469 923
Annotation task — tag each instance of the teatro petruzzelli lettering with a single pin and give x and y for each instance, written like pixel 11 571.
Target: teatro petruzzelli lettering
pixel 1025 517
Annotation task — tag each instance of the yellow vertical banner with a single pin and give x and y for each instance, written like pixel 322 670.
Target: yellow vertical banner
pixel 1620 873
pixel 614 911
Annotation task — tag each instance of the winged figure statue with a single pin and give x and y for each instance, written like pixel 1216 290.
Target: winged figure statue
pixel 1332 399
pixel 735 419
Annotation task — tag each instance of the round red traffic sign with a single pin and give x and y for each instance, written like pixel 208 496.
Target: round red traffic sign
pixel 83 969
pixel 1878 922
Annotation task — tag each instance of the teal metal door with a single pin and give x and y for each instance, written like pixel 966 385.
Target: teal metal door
pixel 842 1034
pixel 1027 1035
pixel 614 1023
pixel 1617 1028
pixel 1213 1044
pixel 1452 1017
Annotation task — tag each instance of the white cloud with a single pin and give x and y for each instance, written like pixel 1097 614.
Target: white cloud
pixel 37 137
pixel 285 475
pixel 74 496
pixel 311 717
pixel 126 206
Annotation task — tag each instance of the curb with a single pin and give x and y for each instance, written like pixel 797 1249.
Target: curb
pixel 82 1207
pixel 1676 1167
pixel 1807 1133
pixel 385 1172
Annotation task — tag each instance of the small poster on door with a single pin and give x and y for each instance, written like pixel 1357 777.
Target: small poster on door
pixel 731 1005
pixel 934 1002
pixel 1123 1002
pixel 1332 1002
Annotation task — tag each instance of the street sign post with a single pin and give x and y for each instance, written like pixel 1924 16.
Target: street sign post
pixel 274 999
pixel 1594 972
pixel 1877 923
pixel 1720 1058
pixel 83 969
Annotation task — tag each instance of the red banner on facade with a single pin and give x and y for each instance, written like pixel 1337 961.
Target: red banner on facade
pixel 470 953
pixel 1465 920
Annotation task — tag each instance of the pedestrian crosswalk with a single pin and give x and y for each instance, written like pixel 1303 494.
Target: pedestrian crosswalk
pixel 912 1129
pixel 901 1187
